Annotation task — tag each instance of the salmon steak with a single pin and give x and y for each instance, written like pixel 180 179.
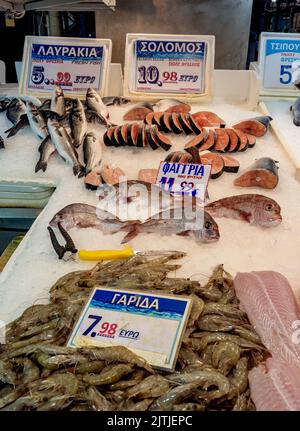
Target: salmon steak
pixel 208 119
pixel 263 173
pixel 138 112
pixel 216 162
pixel 256 126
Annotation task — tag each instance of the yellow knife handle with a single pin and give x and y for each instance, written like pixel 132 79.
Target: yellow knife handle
pixel 106 254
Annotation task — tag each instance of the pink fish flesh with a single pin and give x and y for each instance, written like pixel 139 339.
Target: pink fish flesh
pixel 271 307
pixel 276 388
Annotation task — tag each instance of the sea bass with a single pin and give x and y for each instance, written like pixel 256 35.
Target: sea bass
pixel 58 101
pixel 95 103
pixel 64 145
pixel 46 149
pixel 36 120
pixel 252 208
pixel 78 123
pixel 92 153
pixel 202 227
pixel 296 112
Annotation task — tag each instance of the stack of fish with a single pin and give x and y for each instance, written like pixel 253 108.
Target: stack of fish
pixel 219 348
pixel 62 124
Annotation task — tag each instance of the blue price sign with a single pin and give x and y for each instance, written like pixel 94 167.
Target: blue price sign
pixel 170 65
pixel 184 179
pixel 136 320
pixel 278 54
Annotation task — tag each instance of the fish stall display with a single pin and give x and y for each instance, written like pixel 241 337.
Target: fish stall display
pixel 238 345
pixel 219 350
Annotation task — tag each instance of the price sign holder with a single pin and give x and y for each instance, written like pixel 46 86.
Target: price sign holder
pixel 73 63
pixel 184 179
pixel 161 66
pixel 151 325
pixel 277 53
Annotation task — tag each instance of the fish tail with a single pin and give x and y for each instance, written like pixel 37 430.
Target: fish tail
pixel 133 232
pixel 15 129
pixel 78 170
pixel 1 142
pixel 41 166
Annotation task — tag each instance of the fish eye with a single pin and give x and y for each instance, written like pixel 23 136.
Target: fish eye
pixel 269 207
pixel 207 225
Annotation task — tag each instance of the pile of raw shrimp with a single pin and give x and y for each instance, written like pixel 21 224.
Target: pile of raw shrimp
pixel 37 371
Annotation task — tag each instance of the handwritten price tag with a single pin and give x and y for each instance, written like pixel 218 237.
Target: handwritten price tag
pixel 150 325
pixel 170 66
pixel 184 179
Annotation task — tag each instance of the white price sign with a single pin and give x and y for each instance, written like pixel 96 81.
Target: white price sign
pixel 278 54
pixel 150 325
pixel 74 64
pixel 184 179
pixel 170 66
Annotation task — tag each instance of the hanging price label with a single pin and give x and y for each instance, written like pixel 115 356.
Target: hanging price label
pixel 150 325
pixel 170 66
pixel 184 179
pixel 278 53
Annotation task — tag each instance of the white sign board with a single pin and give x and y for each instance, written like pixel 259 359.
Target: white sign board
pixel 277 54
pixel 184 179
pixel 74 64
pixel 168 65
pixel 148 324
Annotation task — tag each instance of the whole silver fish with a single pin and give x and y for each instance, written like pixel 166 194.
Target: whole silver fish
pixel 58 101
pixel 36 121
pixel 64 145
pixel 46 149
pixel 92 153
pixel 78 123
pixel 95 103
pixel 296 112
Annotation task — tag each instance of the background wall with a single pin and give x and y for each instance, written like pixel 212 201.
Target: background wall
pixel 228 20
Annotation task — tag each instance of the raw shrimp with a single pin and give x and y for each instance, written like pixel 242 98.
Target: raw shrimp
pixel 108 376
pixel 150 387
pixel 225 355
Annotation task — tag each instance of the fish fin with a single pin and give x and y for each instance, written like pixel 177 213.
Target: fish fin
pixel 17 127
pixel 245 216
pixel 133 232
pixel 291 107
pixel 78 170
pixel 184 233
pixel 40 166
pixel 42 144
